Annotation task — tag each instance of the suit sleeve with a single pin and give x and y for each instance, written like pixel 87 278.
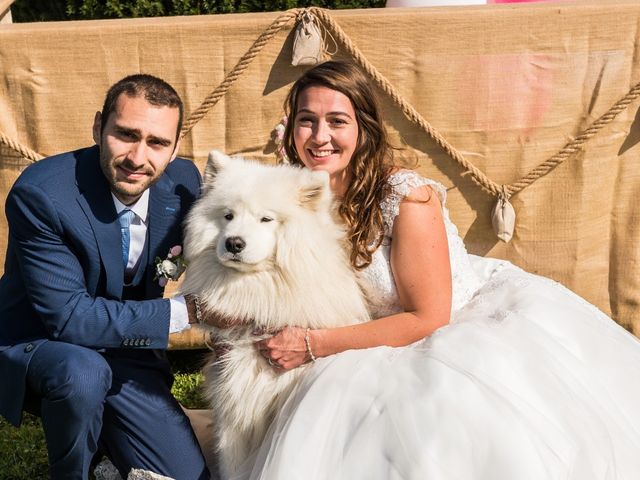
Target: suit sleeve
pixel 55 283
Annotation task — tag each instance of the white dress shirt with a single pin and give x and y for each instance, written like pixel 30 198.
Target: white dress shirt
pixel 179 319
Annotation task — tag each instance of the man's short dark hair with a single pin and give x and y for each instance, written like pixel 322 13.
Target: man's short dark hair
pixel 154 90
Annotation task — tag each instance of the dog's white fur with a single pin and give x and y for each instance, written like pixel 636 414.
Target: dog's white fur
pixel 291 271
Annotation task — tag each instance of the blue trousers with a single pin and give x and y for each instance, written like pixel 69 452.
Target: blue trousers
pixel 120 401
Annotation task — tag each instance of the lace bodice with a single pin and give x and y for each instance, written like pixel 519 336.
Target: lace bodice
pixel 378 278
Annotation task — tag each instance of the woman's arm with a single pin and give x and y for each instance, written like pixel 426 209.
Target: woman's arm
pixel 422 272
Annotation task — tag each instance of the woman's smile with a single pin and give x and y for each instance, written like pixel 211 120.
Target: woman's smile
pixel 321 155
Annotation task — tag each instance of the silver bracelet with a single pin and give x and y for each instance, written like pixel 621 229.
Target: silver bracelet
pixel 196 302
pixel 307 342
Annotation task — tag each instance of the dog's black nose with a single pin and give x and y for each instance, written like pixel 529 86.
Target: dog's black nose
pixel 235 244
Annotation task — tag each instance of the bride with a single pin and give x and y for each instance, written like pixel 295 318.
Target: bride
pixel 473 368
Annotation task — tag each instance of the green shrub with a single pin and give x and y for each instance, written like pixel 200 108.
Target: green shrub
pixel 36 10
pixel 187 388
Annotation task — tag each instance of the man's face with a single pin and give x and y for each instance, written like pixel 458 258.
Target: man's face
pixel 136 145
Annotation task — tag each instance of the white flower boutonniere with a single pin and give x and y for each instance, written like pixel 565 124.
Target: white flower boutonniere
pixel 171 267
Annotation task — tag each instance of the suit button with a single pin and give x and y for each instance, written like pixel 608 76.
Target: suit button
pixel 28 348
pixel 147 342
pixel 125 342
pixel 136 342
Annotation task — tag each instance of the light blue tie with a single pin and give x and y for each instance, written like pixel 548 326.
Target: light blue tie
pixel 125 218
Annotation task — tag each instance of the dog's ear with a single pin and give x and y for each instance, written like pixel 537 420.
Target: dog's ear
pixel 216 162
pixel 315 193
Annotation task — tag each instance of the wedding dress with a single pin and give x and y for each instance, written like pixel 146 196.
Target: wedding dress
pixel 529 381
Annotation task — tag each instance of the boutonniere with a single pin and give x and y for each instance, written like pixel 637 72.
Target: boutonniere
pixel 171 267
pixel 278 139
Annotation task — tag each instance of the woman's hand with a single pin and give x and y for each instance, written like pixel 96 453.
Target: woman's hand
pixel 286 350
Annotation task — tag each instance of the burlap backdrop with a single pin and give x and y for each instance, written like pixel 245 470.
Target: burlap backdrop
pixel 507 85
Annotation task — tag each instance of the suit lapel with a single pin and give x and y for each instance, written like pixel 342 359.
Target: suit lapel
pixel 97 204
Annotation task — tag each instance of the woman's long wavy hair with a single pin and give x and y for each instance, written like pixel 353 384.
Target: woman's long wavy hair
pixel 371 161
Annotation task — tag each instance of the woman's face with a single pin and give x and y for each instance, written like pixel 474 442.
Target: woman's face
pixel 325 133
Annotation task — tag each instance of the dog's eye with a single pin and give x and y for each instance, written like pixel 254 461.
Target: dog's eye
pixel 266 219
pixel 229 216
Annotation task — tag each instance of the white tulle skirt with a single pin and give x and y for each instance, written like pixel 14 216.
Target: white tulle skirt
pixel 529 381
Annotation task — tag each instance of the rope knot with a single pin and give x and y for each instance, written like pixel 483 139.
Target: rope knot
pixel 504 193
pixel 503 217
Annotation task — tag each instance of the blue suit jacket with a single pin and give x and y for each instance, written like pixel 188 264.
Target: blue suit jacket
pixel 63 277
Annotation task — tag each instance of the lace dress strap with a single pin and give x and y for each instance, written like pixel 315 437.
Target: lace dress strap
pixel 464 281
pixel 402 183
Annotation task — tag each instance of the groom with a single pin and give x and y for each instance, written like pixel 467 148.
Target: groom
pixel 83 325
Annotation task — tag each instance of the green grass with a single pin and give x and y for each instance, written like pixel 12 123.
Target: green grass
pixel 23 453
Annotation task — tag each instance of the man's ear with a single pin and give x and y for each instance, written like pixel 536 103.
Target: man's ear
pixel 176 149
pixel 97 126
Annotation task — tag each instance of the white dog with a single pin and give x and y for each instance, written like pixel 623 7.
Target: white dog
pixel 263 248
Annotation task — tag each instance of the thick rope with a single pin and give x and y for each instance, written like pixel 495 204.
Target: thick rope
pixel 576 144
pixel 25 152
pixel 240 67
